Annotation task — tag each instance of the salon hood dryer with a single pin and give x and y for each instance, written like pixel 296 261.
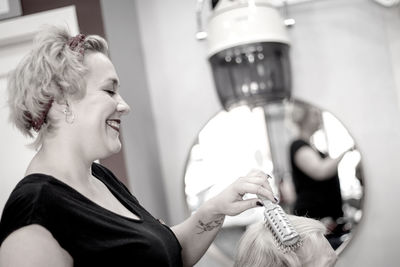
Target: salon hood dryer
pixel 248 49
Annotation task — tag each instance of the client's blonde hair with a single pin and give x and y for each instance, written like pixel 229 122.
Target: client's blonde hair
pixel 257 247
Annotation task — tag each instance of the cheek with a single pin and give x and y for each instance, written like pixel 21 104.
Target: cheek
pixel 101 107
pixel 91 114
pixel 109 106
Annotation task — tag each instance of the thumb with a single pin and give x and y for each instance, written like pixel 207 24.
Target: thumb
pixel 247 204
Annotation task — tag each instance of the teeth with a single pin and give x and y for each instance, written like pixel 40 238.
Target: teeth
pixel 113 123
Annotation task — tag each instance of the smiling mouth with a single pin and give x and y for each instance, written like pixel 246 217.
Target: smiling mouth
pixel 114 123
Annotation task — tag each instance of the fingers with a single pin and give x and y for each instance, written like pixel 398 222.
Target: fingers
pixel 258 177
pixel 231 202
pixel 257 182
pixel 260 181
pixel 245 205
pixel 258 173
pixel 258 190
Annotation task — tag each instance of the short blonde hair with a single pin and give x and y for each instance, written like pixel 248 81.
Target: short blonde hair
pixel 51 71
pixel 257 247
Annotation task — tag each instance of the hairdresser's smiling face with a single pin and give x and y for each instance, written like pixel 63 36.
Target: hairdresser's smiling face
pixel 98 113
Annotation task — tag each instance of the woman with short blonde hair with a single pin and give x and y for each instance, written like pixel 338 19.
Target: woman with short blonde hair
pixel 61 71
pixel 258 248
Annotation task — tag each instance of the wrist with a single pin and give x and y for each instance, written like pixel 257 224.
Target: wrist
pixel 207 219
pixel 211 210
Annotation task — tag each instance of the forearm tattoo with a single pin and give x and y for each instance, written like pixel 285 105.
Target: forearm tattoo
pixel 206 227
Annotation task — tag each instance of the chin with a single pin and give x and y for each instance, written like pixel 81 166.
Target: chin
pixel 115 149
pixel 110 150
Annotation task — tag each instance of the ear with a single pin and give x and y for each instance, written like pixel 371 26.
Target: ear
pixel 57 109
pixel 65 101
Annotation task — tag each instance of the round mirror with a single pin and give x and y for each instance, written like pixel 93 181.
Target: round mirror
pixel 274 138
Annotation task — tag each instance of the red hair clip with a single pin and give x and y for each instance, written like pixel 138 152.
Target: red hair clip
pixel 76 43
pixel 37 123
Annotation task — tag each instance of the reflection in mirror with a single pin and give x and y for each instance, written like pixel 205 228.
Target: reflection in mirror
pixel 232 143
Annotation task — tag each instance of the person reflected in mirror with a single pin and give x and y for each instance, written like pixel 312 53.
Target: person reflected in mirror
pixel 258 247
pixel 315 177
pixel 69 210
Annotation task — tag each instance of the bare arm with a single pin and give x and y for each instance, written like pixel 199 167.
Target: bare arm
pixel 197 232
pixel 311 163
pixel 33 246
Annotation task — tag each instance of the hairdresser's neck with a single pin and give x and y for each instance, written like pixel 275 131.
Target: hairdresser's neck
pixel 63 161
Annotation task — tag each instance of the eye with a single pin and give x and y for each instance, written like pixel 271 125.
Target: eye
pixel 110 92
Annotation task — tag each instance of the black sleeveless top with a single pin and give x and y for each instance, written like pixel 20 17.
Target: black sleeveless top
pixel 92 235
pixel 315 199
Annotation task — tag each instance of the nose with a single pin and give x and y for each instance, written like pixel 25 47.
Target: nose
pixel 122 106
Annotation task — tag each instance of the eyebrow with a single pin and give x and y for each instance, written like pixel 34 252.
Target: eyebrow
pixel 113 81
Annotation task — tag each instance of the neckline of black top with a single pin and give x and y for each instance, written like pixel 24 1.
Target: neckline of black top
pixel 112 190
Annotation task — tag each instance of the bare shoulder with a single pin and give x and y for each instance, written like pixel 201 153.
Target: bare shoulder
pixel 33 245
pixel 305 154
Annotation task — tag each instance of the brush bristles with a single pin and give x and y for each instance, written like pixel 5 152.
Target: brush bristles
pixel 285 236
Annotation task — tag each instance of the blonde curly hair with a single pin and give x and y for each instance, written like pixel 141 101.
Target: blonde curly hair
pixel 49 72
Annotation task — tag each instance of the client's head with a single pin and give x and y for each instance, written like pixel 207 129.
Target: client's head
pixel 257 247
